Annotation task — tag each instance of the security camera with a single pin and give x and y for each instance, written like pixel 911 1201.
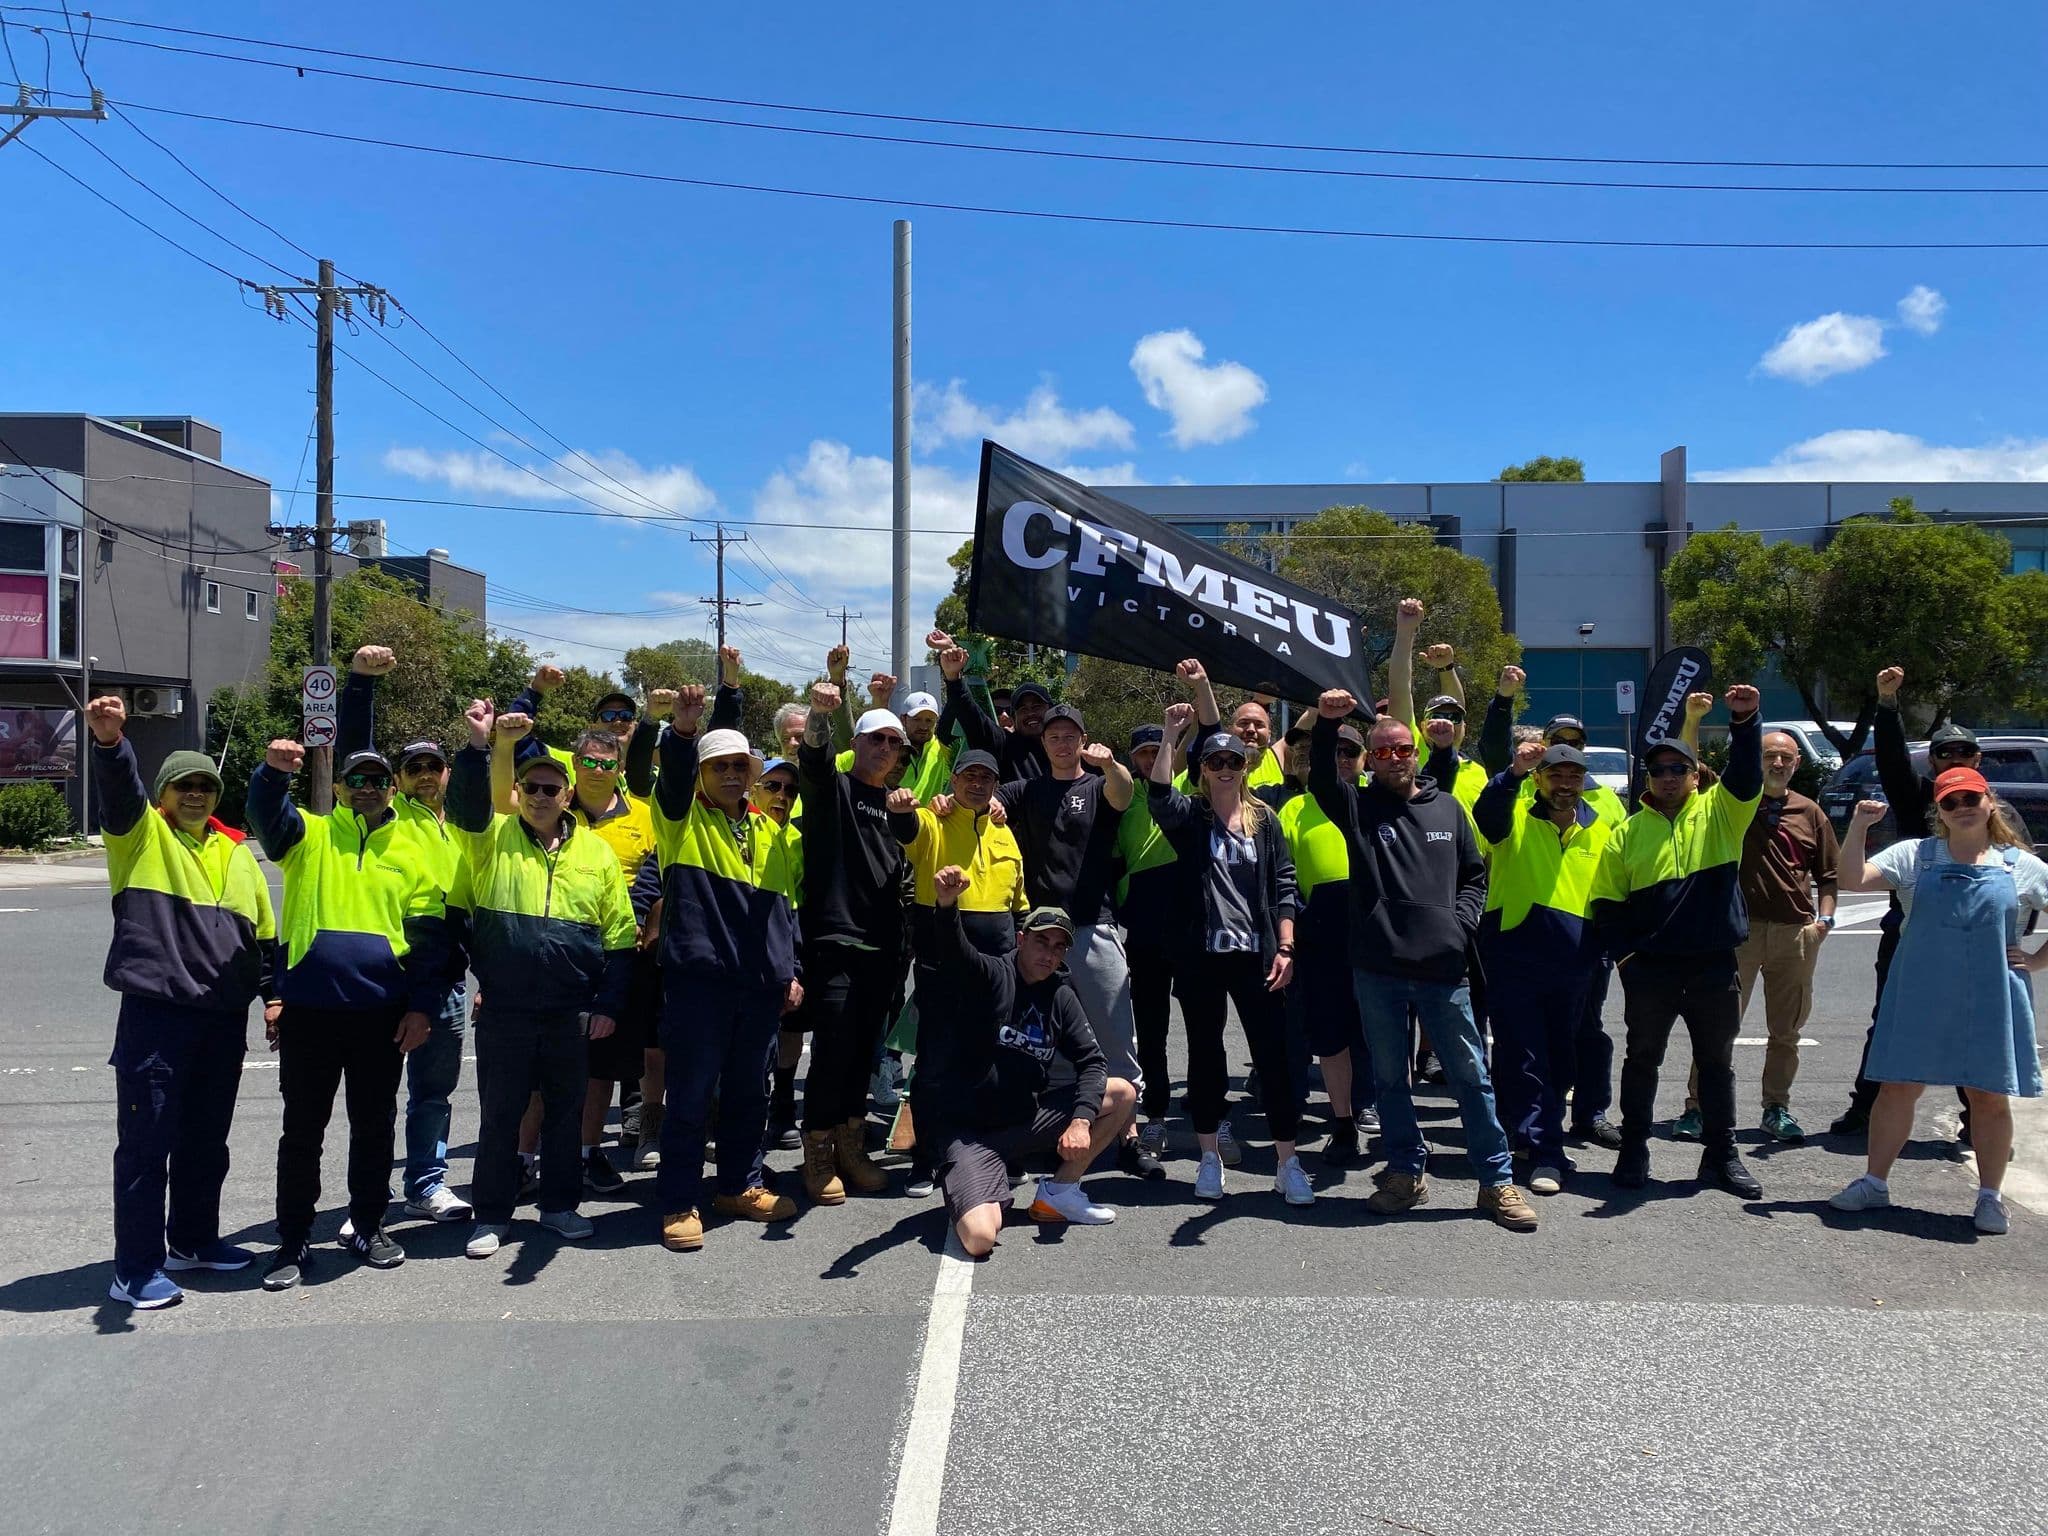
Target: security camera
pixel 1585 631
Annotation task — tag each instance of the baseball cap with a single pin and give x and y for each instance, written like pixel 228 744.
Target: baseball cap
pixel 1563 723
pixel 1066 712
pixel 877 720
pixel 1351 733
pixel 366 757
pixel 615 698
pixel 1562 752
pixel 974 757
pixel 1443 707
pixel 723 743
pixel 1671 744
pixel 920 704
pixel 1222 741
pixel 1038 919
pixel 1025 691
pixel 413 749
pixel 1304 725
pixel 182 765
pixel 774 763
pixel 1952 732
pixel 1147 736
pixel 522 770
pixel 1953 779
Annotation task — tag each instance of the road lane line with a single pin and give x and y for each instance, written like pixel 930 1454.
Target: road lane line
pixel 921 1472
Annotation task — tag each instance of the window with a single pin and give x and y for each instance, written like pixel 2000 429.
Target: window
pixel 249 609
pixel 213 597
pixel 2012 765
pixel 1579 681
pixel 2029 548
pixel 21 548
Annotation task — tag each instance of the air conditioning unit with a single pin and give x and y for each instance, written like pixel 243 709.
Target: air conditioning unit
pixel 156 703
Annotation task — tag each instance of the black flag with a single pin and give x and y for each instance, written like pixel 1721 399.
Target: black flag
pixel 1061 565
pixel 1677 673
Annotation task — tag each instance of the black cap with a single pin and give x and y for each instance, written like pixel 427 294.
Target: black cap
pixel 1038 919
pixel 1671 744
pixel 1147 736
pixel 1562 752
pixel 1062 712
pixel 1563 723
pixel 1223 741
pixel 974 757
pixel 367 757
pixel 413 749
pixel 1443 707
pixel 624 698
pixel 1025 691
pixel 1952 732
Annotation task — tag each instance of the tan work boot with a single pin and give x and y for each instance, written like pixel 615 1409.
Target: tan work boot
pixel 757 1204
pixel 821 1169
pixel 855 1167
pixel 1398 1192
pixel 682 1231
pixel 1507 1205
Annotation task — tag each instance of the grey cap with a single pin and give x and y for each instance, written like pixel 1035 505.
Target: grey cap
pixel 367 757
pixel 1147 736
pixel 1671 744
pixel 1438 707
pixel 1562 752
pixel 1222 741
pixel 974 757
pixel 1039 919
pixel 1060 712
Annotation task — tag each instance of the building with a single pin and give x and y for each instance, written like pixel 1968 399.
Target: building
pixel 1579 566
pixel 132 559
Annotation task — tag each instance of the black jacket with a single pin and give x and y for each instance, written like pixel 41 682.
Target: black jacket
pixel 1186 821
pixel 1017 756
pixel 1418 883
pixel 853 861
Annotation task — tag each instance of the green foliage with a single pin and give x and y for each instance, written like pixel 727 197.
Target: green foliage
pixel 1369 562
pixel 670 665
pixel 1545 468
pixel 1901 590
pixel 1002 662
pixel 1114 697
pixel 567 709
pixel 33 815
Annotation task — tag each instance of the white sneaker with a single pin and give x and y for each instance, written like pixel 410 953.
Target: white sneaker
pixel 1209 1178
pixel 1291 1183
pixel 1991 1218
pixel 439 1204
pixel 646 1157
pixel 1226 1145
pixel 484 1240
pixel 1546 1180
pixel 1862 1193
pixel 1055 1201
pixel 567 1224
pixel 921 1187
pixel 348 1230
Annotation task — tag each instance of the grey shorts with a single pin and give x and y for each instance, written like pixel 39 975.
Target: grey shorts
pixel 973 1167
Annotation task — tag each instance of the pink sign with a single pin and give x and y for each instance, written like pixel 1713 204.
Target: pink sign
pixel 25 617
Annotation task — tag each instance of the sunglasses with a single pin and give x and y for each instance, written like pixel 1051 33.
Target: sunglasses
pixel 1399 753
pixel 420 765
pixel 1345 749
pixel 616 716
pixel 366 780
pixel 546 789
pixel 1668 770
pixel 1962 800
pixel 193 786
pixel 1567 739
pixel 1454 719
pixel 777 787
pixel 599 764
pixel 1222 762
pixel 1955 749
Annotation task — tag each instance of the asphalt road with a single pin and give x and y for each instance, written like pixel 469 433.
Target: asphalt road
pixel 1671 1361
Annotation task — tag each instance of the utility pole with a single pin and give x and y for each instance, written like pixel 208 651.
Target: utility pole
pixel 721 602
pixel 899 500
pixel 842 616
pixel 26 109
pixel 329 300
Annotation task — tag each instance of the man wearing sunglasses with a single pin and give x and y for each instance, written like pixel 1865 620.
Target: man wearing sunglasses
pixel 1251 723
pixel 1668 902
pixel 365 942
pixel 192 944
pixel 552 932
pixel 1417 887
pixel 1018 748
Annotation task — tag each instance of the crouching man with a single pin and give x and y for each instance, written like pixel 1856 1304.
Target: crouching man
pixel 988 1031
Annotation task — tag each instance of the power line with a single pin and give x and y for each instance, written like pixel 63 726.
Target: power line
pixel 1118 220
pixel 135 218
pixel 1193 140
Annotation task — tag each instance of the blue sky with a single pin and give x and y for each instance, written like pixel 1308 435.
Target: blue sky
pixel 728 353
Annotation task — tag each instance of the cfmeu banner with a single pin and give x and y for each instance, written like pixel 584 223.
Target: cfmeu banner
pixel 1677 673
pixel 1059 564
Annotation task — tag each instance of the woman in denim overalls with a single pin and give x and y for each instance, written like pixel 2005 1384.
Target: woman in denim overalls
pixel 1958 1007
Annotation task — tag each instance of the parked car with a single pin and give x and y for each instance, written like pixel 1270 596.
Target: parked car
pixel 1813 741
pixel 1609 766
pixel 2016 768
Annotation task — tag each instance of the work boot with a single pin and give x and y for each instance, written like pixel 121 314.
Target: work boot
pixel 1725 1170
pixel 1398 1192
pixel 821 1169
pixel 1632 1168
pixel 682 1231
pixel 756 1204
pixel 1506 1205
pixel 1851 1122
pixel 855 1167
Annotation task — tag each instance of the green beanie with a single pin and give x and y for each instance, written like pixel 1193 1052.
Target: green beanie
pixel 181 764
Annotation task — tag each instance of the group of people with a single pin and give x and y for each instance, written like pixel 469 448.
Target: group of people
pixel 663 911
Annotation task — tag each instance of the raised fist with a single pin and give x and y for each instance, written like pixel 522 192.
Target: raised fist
pixel 689 707
pixel 1440 733
pixel 1097 755
pixel 481 718
pixel 953 663
pixel 660 702
pixel 948 883
pixel 730 667
pixel 835 663
pixel 372 660
pixel 1868 811
pixel 900 800
pixel 881 689
pixel 1179 719
pixel 1440 656
pixel 825 696
pixel 285 755
pixel 1335 704
pixel 1742 699
pixel 1511 680
pixel 1408 615
pixel 939 640
pixel 1698 705
pixel 1889 682
pixel 1190 671
pixel 1527 755
pixel 547 678
pixel 513 726
pixel 104 717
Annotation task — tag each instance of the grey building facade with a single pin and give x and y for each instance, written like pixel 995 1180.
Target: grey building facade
pixel 1578 567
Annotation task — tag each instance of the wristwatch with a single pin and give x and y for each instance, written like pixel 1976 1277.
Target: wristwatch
pixel 1826 920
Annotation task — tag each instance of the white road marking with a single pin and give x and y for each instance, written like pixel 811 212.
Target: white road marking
pixel 20 909
pixel 1766 1040
pixel 921 1472
pixel 1868 912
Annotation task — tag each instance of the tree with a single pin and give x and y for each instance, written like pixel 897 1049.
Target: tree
pixel 1369 562
pixel 1002 662
pixel 1114 697
pixel 1546 468
pixel 565 711
pixel 1900 590
pixel 670 665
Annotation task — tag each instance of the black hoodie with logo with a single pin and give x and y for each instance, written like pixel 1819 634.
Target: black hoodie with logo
pixel 1418 882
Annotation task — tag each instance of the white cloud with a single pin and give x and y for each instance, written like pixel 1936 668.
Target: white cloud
pixel 1922 310
pixel 1209 402
pixel 1819 349
pixel 1870 453
pixel 569 480
pixel 1041 429
pixel 1104 474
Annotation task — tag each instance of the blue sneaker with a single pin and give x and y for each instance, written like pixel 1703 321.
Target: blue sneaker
pixel 159 1290
pixel 218 1255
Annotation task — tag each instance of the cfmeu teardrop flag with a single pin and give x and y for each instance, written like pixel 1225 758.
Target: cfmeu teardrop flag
pixel 1061 565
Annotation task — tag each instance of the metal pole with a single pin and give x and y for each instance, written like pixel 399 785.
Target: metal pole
pixel 899 521
pixel 320 760
pixel 84 739
pixel 721 586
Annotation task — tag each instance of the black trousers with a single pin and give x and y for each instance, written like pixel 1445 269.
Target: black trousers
pixel 1207 984
pixel 1593 1086
pixel 1657 992
pixel 1152 968
pixel 318 1050
pixel 847 992
pixel 518 1055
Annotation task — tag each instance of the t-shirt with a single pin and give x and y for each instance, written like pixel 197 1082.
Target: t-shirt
pixel 1230 886
pixel 1068 834
pixel 1788 850
pixel 1900 866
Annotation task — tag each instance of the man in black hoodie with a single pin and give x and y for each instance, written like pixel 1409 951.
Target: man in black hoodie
pixel 1418 887
pixel 995 1025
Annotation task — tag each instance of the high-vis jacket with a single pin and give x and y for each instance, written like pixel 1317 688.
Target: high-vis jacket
pixel 1152 896
pixel 365 922
pixel 1671 885
pixel 1539 877
pixel 1497 751
pixel 1322 866
pixel 192 918
pixel 728 915
pixel 993 902
pixel 550 930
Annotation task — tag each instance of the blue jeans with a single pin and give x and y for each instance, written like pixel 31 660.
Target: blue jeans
pixel 1445 1009
pixel 431 1073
